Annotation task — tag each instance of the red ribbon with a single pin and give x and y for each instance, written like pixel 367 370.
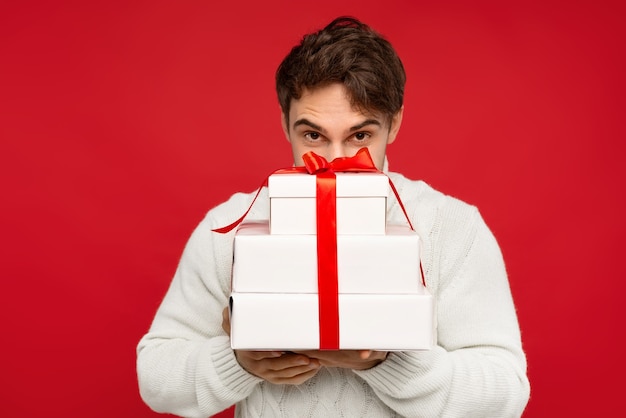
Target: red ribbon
pixel 326 217
pixel 327 276
pixel 326 221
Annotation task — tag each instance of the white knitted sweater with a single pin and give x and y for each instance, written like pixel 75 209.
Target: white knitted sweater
pixel 186 367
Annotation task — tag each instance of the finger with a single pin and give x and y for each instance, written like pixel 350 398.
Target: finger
pixel 226 321
pixel 277 372
pixel 308 353
pixel 323 354
pixel 289 360
pixel 280 369
pixel 365 354
pixel 261 355
pixel 295 380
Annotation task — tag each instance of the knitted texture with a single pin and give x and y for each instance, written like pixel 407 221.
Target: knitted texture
pixel 186 367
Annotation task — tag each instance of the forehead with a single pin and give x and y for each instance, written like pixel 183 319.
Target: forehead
pixel 329 102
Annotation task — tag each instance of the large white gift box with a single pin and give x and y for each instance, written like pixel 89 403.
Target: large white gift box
pixel 361 203
pixel 281 321
pixel 267 263
pixel 383 304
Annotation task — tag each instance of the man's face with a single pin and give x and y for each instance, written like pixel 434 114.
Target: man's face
pixel 324 121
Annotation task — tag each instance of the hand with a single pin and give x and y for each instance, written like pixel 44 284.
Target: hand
pixel 278 367
pixel 347 359
pixel 274 366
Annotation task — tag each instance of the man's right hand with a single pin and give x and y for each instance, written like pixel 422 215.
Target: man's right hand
pixel 281 368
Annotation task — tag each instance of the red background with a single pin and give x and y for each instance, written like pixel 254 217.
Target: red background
pixel 121 124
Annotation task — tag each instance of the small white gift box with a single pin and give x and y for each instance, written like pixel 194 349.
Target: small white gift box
pixel 361 203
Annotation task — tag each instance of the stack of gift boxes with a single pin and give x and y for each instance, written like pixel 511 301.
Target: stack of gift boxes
pixel 382 302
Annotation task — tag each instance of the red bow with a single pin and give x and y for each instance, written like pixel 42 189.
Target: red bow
pixel 313 164
pixel 361 161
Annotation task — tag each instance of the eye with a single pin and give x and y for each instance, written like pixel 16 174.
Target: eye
pixel 312 136
pixel 361 136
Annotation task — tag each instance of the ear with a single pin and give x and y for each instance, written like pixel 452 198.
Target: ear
pixel 396 122
pixel 285 125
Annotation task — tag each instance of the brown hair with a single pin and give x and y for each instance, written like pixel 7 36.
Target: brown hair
pixel 349 52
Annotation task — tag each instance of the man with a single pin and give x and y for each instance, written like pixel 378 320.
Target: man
pixel 340 90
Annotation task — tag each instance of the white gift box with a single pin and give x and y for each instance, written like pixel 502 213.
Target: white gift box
pixel 361 203
pixel 271 321
pixel 370 264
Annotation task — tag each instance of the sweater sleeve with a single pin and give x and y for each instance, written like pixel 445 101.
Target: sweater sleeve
pixel 478 368
pixel 185 365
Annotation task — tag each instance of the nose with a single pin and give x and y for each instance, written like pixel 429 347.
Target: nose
pixel 336 150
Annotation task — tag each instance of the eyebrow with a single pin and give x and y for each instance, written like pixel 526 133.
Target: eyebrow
pixel 364 124
pixel 308 123
pixel 361 125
